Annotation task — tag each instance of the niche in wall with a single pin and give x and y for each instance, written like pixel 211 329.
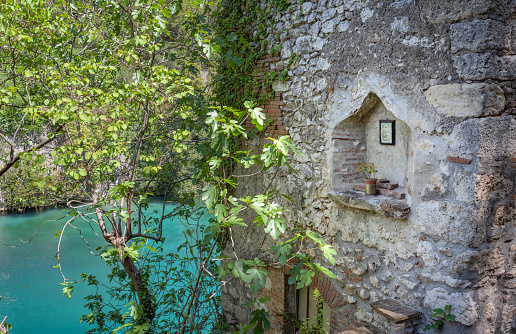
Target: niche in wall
pixel 356 140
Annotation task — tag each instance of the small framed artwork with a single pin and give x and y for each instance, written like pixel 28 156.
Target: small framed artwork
pixel 387 132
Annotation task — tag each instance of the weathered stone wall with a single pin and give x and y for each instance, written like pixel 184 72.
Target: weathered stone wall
pixel 447 71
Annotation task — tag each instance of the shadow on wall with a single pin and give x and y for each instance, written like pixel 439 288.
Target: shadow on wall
pixel 356 140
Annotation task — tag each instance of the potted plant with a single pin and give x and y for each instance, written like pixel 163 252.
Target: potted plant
pixel 369 172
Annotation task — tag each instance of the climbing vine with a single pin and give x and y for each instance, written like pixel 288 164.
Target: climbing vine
pixel 244 33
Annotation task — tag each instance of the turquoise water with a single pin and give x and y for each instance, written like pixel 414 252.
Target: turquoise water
pixel 34 301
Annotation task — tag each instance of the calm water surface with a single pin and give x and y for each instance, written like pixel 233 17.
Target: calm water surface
pixel 35 303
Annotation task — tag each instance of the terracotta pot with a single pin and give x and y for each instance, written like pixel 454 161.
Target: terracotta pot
pixel 370 186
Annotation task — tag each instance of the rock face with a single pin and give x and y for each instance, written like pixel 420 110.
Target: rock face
pixel 445 72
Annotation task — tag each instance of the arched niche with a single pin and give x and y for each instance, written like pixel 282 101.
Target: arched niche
pixel 356 140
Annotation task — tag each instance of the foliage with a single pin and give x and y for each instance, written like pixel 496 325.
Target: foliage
pixel 368 170
pixel 317 325
pixel 170 276
pixel 4 325
pixel 107 83
pixel 439 316
pixel 242 33
pixel 21 186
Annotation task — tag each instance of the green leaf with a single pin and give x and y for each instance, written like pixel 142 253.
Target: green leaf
pixel 260 321
pixel 237 269
pixel 257 115
pixel 315 237
pixel 325 270
pixel 221 212
pixel 282 252
pixel 437 312
pixel 450 317
pixel 305 278
pixel 130 251
pixel 328 252
pixel 258 277
pixel 275 226
pixel 234 220
pixel 210 196
pixel 68 289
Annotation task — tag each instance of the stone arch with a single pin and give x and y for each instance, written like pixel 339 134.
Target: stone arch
pixel 331 295
pixel 356 141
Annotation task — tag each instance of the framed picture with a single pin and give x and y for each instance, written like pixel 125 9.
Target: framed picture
pixel 387 132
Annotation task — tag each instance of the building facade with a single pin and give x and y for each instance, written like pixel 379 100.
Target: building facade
pixel 425 90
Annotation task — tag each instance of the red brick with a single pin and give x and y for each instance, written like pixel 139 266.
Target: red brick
pixel 273 112
pixel 330 294
pixel 326 287
pixel 282 132
pixel 356 324
pixel 460 160
pixel 513 159
pixel 272 59
pixel 320 286
pixel 276 103
pixel 389 186
pixel 391 193
pixel 337 302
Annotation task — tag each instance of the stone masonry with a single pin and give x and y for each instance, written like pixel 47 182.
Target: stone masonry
pixel 445 72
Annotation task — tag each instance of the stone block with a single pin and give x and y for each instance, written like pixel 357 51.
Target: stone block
pixel 391 316
pixel 303 45
pixel 479 35
pixel 286 51
pixel 466 100
pixel 394 310
pixel 464 186
pixel 449 221
pixel 465 138
pixel 307 8
pixel 442 11
pixel 476 66
pixel 462 304
pixel 280 86
pixel 360 330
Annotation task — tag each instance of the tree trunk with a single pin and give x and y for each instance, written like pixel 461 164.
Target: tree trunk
pixel 144 296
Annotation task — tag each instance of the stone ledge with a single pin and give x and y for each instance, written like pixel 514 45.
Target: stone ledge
pixel 394 310
pixel 361 330
pixel 381 191
pixel 389 207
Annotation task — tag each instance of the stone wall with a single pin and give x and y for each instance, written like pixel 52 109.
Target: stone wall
pixel 446 70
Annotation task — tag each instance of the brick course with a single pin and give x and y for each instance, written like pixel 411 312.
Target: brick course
pixel 272 107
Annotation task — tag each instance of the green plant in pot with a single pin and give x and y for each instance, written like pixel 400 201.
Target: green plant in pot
pixel 369 172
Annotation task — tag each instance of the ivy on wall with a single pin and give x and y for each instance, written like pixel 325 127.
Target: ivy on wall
pixel 244 33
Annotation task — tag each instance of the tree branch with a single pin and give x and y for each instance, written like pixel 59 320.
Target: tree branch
pixel 35 148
